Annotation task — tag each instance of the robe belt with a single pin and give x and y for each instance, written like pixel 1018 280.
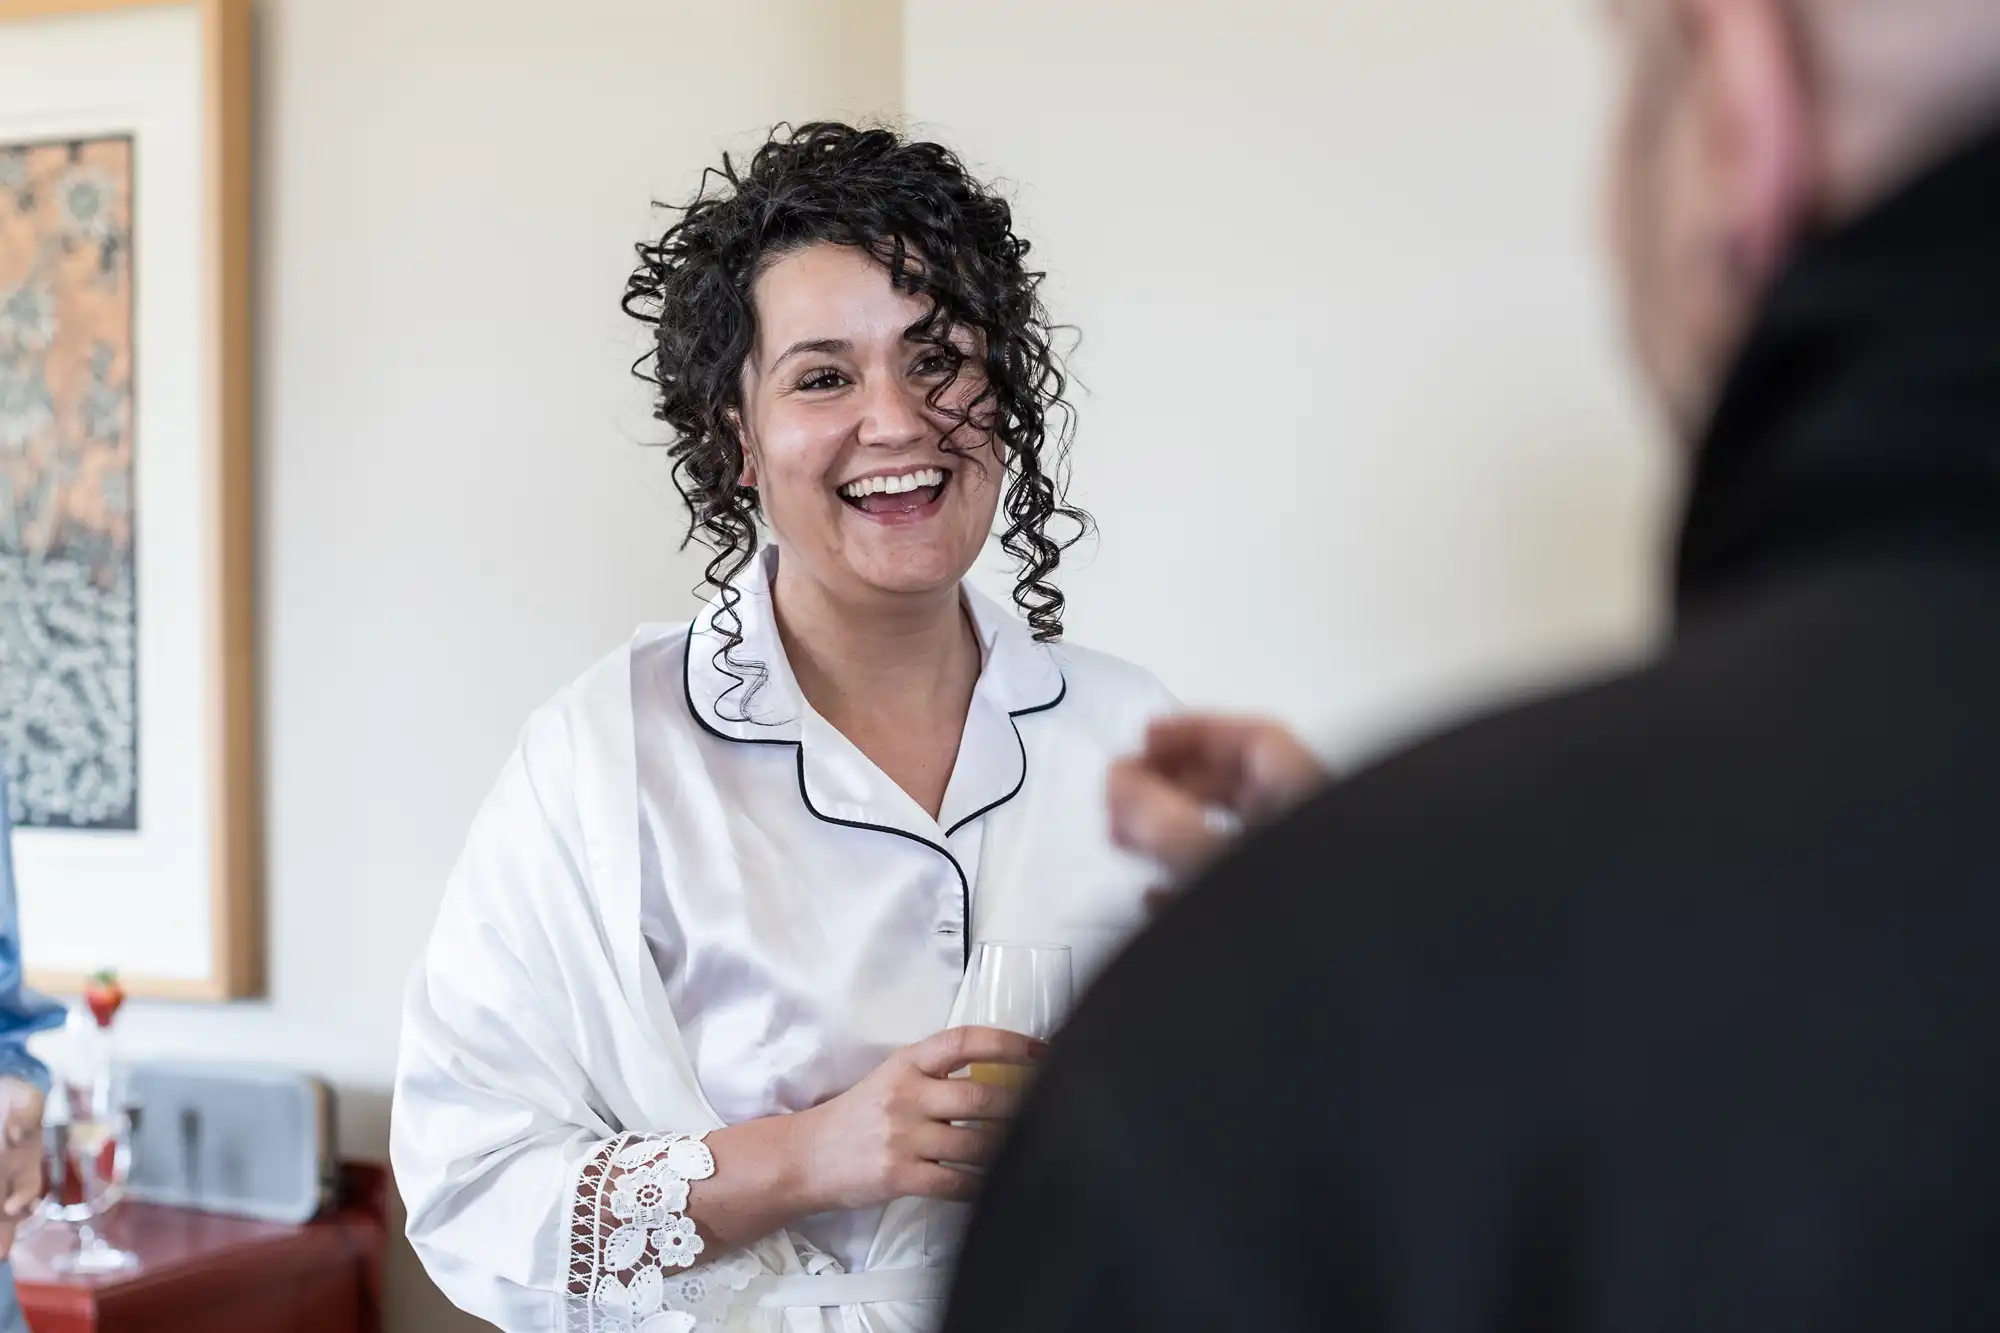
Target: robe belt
pixel 865 1288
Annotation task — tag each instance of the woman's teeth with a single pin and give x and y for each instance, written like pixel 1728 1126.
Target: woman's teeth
pixel 896 485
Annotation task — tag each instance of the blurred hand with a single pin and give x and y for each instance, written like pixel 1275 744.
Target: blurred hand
pixel 891 1134
pixel 20 1156
pixel 1163 800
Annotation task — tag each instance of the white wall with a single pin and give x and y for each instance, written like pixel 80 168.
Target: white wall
pixel 455 516
pixel 1358 435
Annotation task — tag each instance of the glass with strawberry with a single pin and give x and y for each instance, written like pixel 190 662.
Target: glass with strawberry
pixel 89 1131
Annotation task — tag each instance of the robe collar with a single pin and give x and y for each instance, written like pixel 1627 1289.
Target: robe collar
pixel 749 696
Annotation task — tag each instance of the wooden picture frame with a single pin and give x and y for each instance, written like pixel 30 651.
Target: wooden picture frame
pixel 70 900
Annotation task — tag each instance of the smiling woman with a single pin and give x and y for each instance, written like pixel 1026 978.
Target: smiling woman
pixel 680 1050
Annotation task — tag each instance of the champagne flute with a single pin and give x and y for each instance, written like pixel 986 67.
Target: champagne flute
pixel 96 1154
pixel 87 1142
pixel 1020 987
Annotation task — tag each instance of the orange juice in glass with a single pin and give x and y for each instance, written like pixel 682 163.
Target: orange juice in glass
pixel 1018 986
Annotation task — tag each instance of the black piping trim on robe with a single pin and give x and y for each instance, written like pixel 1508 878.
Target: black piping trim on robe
pixel 964 884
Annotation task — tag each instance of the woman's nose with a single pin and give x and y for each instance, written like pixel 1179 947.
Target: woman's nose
pixel 894 414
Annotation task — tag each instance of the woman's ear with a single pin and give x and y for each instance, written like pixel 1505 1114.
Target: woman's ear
pixel 747 475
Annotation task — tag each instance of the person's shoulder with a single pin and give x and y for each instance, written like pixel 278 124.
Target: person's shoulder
pixel 1104 671
pixel 1559 769
pixel 1500 814
pixel 641 677
pixel 1750 699
pixel 1120 694
pixel 1629 789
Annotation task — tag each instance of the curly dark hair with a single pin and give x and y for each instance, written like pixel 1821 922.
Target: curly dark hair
pixel 942 235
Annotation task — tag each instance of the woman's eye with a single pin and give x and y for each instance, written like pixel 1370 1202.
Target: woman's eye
pixel 824 378
pixel 936 363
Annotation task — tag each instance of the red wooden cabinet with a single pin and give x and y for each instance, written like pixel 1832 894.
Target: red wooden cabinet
pixel 198 1272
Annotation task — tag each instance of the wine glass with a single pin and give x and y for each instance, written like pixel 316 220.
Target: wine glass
pixel 1018 986
pixel 87 1147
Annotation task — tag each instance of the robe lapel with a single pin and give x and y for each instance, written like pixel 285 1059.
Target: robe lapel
pixel 751 697
pixel 607 796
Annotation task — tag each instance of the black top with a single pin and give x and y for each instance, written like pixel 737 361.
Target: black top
pixel 1667 1003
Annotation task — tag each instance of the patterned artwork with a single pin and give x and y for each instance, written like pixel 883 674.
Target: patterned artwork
pixel 68 688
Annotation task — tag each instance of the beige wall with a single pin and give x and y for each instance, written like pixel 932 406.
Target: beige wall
pixel 1357 432
pixel 455 515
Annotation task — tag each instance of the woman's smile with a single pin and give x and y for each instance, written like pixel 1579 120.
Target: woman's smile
pixel 905 497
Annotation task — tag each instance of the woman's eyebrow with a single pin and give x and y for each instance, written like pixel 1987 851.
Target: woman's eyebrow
pixel 812 345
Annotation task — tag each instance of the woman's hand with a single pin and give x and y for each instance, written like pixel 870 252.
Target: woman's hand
pixel 20 1155
pixel 891 1134
pixel 886 1137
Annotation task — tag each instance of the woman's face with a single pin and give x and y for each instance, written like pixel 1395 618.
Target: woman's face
pixel 847 457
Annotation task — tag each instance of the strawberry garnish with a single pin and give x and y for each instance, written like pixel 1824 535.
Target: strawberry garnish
pixel 104 995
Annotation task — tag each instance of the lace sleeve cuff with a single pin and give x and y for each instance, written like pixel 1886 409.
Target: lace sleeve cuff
pixel 630 1236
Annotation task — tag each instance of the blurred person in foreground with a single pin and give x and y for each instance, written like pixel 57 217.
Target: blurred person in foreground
pixel 1667 1003
pixel 23 1079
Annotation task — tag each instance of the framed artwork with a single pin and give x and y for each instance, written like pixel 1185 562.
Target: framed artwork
pixel 127 705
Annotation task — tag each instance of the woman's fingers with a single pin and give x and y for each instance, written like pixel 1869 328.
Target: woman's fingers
pixel 21 1200
pixel 966 1099
pixel 944 1182
pixel 20 1181
pixel 968 1145
pixel 23 1103
pixel 947 1052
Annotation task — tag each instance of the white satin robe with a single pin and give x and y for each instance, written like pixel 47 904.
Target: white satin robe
pixel 670 917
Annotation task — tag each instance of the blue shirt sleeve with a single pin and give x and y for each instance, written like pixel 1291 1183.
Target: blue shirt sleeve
pixel 22 1012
